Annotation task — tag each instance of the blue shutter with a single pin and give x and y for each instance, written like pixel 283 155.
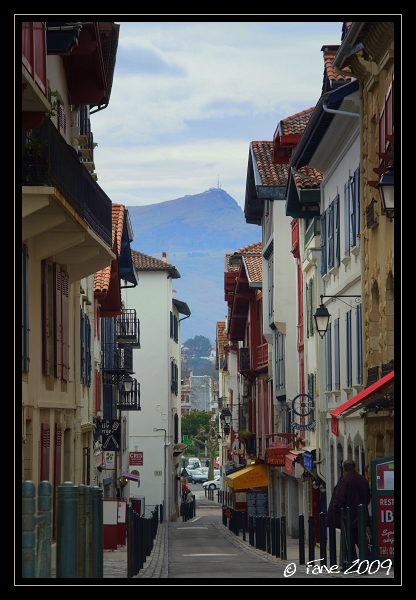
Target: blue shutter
pixel 331 235
pixel 346 219
pixel 348 348
pixel 352 212
pixel 323 243
pixel 82 342
pixel 359 345
pixel 88 350
pixel 328 339
pixel 357 205
pixel 337 382
pixel 337 232
pixel 25 310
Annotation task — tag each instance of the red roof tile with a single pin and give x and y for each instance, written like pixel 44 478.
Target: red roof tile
pixel 102 278
pixel 221 336
pixel 295 125
pixel 143 262
pixel 254 267
pixel 270 173
pixel 329 53
pixel 306 183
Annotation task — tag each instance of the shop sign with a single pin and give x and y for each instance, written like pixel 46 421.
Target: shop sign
pixel 289 464
pixel 303 405
pixel 111 434
pixel 385 521
pixel 109 459
pixel 276 456
pixel 335 426
pixel 136 458
pixel 308 460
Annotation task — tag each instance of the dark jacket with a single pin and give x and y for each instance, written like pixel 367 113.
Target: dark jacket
pixel 352 489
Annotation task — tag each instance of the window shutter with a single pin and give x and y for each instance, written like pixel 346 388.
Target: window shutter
pixel 346 219
pixel 312 300
pixel 25 310
pixel 337 382
pixel 328 338
pixel 83 349
pixel 308 306
pixel 65 325
pixel 87 350
pixel 97 390
pixel 323 243
pixel 337 232
pixel 176 429
pixel 348 347
pixel 45 317
pixel 331 235
pixel 352 212
pixel 357 205
pixel 58 320
pixel 45 447
pixel 359 345
pixel 56 470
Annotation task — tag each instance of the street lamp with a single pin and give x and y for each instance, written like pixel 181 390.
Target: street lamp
pixel 322 315
pixel 386 189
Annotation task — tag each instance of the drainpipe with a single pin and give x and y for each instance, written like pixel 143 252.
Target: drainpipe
pixel 77 387
pixel 339 112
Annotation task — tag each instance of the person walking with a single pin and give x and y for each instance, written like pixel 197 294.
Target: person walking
pixel 188 505
pixel 352 489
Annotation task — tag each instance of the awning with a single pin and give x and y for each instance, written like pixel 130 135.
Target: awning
pixel 132 477
pixel 371 394
pixel 249 477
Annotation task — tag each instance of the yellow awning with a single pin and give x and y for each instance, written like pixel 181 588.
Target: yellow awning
pixel 253 476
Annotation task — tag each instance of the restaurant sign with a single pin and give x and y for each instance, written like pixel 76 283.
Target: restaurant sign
pixel 276 456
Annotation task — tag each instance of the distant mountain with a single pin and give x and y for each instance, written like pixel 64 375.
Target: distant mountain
pixel 195 232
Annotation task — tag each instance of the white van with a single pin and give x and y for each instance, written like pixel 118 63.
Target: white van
pixel 194 463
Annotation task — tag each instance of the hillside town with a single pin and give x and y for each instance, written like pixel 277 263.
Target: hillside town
pixel 294 390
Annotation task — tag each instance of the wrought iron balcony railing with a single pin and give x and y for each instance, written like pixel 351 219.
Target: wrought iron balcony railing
pixel 130 400
pixel 128 327
pixel 48 159
pixel 117 358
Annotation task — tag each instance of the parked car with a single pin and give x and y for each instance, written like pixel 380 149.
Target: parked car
pixel 197 476
pixel 194 463
pixel 187 473
pixel 214 484
pixel 217 463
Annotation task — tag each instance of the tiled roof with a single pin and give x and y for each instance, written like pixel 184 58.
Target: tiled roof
pixel 304 182
pixel 329 55
pixel 295 125
pixel 143 262
pixel 252 250
pixel 102 278
pixel 254 267
pixel 270 173
pixel 221 336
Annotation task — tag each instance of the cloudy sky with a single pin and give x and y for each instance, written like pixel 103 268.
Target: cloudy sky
pixel 189 97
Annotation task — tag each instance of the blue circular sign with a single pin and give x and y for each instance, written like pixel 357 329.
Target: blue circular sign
pixel 306 405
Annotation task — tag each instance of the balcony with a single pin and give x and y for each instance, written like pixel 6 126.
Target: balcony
pixel 116 360
pixel 35 102
pixel 130 400
pixel 244 360
pixel 262 356
pixel 128 328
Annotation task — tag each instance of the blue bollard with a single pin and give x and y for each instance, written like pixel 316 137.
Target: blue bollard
pixel 28 529
pixel 43 566
pixel 97 533
pixel 66 531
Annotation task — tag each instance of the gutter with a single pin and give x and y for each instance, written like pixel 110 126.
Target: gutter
pixel 338 112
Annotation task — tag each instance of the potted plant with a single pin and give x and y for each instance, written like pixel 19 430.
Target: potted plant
pixel 245 435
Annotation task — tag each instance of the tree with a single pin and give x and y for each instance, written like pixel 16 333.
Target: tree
pixel 208 437
pixel 199 366
pixel 192 421
pixel 199 346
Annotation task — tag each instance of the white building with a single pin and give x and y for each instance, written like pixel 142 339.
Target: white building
pixel 154 432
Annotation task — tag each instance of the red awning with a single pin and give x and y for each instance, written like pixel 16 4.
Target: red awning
pixel 370 394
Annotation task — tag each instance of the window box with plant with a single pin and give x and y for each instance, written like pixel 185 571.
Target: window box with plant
pixel 245 435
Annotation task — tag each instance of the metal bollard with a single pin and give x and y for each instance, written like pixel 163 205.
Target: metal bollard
pixel 129 541
pixel 273 535
pixel 322 538
pixel 283 533
pixel 81 532
pixel 43 568
pixel 277 535
pixel 268 535
pixel 311 523
pixel 88 532
pixel 28 529
pixel 301 540
pixel 66 531
pixel 362 545
pixel 97 532
pixel 332 546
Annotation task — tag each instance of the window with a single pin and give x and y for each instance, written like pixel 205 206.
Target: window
pixel 337 382
pixel 279 348
pixel 85 341
pixel 270 291
pixel 174 323
pixel 348 349
pixel 346 218
pixel 337 231
pixel 386 128
pixel 359 339
pixel 25 310
pixel 174 378
pixel 328 341
pixel 55 320
pixel 352 211
pixel 331 235
pixel 310 303
pixel 323 243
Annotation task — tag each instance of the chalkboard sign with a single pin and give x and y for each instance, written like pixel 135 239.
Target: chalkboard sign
pixel 257 503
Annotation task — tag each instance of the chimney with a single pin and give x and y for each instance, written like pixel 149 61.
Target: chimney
pixel 164 257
